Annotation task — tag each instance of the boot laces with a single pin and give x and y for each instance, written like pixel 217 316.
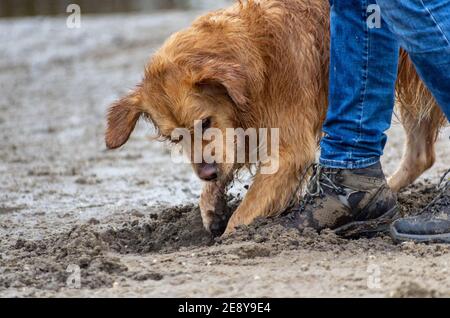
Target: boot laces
pixel 442 198
pixel 322 178
pixel 445 181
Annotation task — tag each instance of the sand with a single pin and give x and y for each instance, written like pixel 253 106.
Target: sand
pixel 128 221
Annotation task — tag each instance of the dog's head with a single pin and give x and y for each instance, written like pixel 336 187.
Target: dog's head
pixel 188 84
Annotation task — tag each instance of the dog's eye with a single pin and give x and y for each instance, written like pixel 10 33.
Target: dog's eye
pixel 206 123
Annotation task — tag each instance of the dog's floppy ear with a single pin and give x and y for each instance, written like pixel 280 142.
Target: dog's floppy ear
pixel 122 118
pixel 228 75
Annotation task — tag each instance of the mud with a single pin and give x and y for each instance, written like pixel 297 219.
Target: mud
pixel 128 221
pixel 169 231
pixel 45 264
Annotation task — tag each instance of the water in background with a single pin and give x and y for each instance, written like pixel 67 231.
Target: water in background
pixel 17 8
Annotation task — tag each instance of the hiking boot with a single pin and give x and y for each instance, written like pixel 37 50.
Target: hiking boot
pixel 353 203
pixel 432 225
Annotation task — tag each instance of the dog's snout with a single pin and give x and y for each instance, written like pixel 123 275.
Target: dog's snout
pixel 207 172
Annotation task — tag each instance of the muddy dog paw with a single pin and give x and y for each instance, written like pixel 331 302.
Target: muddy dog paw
pixel 214 209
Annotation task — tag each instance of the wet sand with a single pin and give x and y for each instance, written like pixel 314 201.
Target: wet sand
pixel 128 219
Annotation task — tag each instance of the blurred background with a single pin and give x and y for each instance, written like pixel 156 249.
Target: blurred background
pixel 18 8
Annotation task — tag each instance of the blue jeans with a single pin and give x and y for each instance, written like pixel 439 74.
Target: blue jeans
pixel 363 71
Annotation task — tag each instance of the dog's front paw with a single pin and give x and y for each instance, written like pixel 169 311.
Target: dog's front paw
pixel 215 213
pixel 214 221
pixel 217 225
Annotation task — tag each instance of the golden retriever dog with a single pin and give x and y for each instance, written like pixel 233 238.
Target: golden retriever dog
pixel 261 64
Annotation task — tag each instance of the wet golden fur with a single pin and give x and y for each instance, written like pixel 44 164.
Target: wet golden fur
pixel 262 64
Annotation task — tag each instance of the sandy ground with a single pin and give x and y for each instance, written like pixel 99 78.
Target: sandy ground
pixel 66 202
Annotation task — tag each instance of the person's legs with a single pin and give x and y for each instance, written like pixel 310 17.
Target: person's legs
pixel 348 191
pixel 363 72
pixel 423 29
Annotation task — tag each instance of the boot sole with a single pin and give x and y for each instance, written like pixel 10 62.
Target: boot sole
pixel 369 228
pixel 400 237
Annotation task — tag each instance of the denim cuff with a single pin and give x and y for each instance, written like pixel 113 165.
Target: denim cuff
pixel 361 164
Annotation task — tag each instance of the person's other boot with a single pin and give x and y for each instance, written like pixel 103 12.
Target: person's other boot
pixel 432 225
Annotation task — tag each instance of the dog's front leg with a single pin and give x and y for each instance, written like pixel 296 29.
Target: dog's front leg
pixel 271 194
pixel 213 207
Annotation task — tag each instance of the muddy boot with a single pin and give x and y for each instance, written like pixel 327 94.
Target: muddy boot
pixel 353 203
pixel 432 225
